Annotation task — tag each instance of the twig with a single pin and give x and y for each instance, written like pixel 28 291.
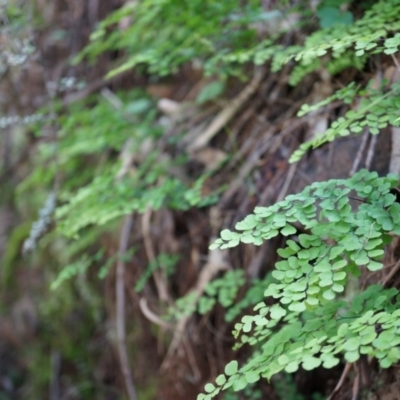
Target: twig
pixel 215 264
pixel 356 384
pixel 359 154
pixel 120 311
pixel 391 274
pixel 371 151
pixel 288 181
pixel 226 114
pixel 150 315
pixel 246 168
pixel 55 392
pixel 93 87
pixel 394 166
pixel 395 61
pixel 192 359
pixel 268 144
pixel 345 372
pixel 159 279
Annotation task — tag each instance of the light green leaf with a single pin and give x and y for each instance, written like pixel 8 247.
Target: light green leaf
pixel 374 265
pixel 292 367
pixel 342 331
pixel 352 344
pixel 209 387
pixel 328 295
pixel 210 92
pixel 231 368
pixel 226 234
pixel 297 306
pixel 248 223
pixel 310 362
pixel 277 312
pixel 252 376
pixel 283 359
pixel 239 384
pixel 352 356
pixel 220 380
pixel 330 362
pixel 339 265
pixel 288 230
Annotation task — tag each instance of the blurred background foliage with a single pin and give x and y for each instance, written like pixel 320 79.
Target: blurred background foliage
pixel 101 102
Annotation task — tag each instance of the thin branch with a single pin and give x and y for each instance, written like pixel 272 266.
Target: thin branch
pixel 345 372
pixel 371 151
pixel 159 278
pixel 228 112
pixel 391 274
pixel 120 311
pixel 360 152
pixel 151 316
pixel 288 181
pixel 356 383
pixel 55 392
pixel 395 61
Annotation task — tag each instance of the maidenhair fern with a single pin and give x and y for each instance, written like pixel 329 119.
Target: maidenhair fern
pixel 369 35
pixel 162 39
pixel 224 291
pixel 101 132
pixel 377 109
pixel 222 36
pixel 336 228
pixel 369 325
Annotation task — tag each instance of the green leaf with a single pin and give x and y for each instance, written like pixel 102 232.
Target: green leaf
pixel 376 253
pixel 248 223
pixel 342 331
pixel 283 359
pixel 220 380
pixel 304 254
pixel 279 275
pixel 231 368
pixel 352 344
pixel 336 251
pixel 368 338
pixel 209 388
pixel 312 301
pixel 374 265
pixel 239 384
pixel 310 362
pixel 215 245
pixel 297 306
pixel 293 245
pixel 339 276
pixel 330 362
pixel 277 312
pixel 288 230
pixel 351 243
pixel 352 356
pixel 337 288
pixel 372 244
pixel 226 234
pixel 292 367
pixel 252 376
pixel 210 92
pixel 328 204
pixel 328 295
pixel 331 16
pixel 339 265
pixel 247 239
pixel 285 253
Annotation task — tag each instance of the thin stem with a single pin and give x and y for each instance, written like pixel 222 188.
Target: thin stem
pixel 120 308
